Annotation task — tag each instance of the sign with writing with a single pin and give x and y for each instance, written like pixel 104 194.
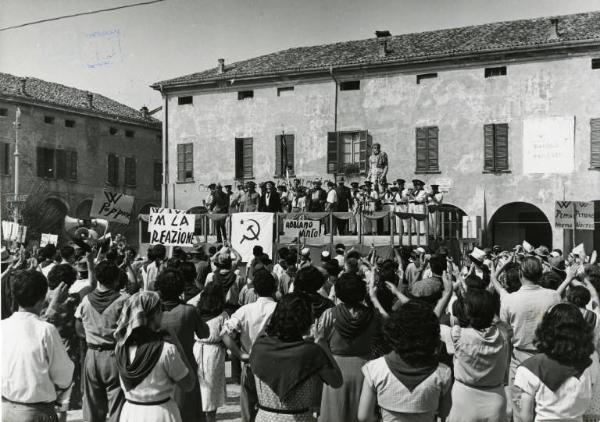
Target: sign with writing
pixel 171 227
pixel 548 145
pixel 249 229
pixel 566 211
pixel 12 231
pixel 48 239
pixel 444 184
pixel 303 228
pixel 157 211
pixel 112 206
pixel 584 215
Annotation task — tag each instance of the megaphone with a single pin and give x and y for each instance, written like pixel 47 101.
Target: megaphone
pixel 85 229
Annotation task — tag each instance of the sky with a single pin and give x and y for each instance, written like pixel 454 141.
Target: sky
pixel 120 53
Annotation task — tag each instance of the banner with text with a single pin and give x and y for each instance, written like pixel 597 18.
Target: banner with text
pixel 12 231
pixel 249 229
pixel 171 227
pixel 48 238
pixel 548 145
pixel 112 206
pixel 566 211
pixel 301 227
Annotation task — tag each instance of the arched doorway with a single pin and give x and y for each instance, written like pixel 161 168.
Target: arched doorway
pixel 83 209
pixel 517 221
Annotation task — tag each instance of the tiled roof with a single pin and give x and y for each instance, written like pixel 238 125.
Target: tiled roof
pixel 50 93
pixel 500 36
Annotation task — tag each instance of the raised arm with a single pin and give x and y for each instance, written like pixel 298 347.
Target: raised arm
pixel 571 274
pixel 446 295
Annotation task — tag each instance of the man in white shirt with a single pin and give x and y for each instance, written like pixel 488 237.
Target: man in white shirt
pixel 249 322
pixel 36 369
pixel 159 253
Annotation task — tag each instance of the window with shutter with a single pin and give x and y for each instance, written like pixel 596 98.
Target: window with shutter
pixel 595 143
pixel 495 147
pixel 4 158
pixel 427 149
pixel 130 171
pixel 157 175
pixel 45 162
pixel 364 150
pixel 72 165
pixel 332 152
pixel 284 155
pixel 185 162
pixel 61 164
pixel 243 158
pixel 113 170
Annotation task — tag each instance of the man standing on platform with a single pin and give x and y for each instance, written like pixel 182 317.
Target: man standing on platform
pixel 417 204
pixel 316 198
pixel 219 205
pixel 344 203
pixel 270 201
pixel 250 199
pixel 378 166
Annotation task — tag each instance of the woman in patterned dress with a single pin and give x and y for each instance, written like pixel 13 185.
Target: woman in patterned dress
pixel 149 366
pixel 288 368
pixel 210 352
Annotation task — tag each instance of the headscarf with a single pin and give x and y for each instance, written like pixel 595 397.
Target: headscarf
pixel 132 329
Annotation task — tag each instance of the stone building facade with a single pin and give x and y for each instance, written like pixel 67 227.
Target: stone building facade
pixel 471 109
pixel 72 144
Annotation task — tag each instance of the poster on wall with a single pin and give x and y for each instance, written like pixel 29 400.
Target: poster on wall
pixel 171 227
pixel 249 229
pixel 112 206
pixel 548 145
pixel 567 212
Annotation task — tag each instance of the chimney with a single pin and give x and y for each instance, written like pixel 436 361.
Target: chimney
pixel 553 33
pixel 23 83
pixel 221 67
pixel 383 38
pixel 144 111
pixel 90 99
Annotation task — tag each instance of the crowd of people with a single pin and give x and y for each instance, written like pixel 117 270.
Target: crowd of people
pixel 299 196
pixel 497 336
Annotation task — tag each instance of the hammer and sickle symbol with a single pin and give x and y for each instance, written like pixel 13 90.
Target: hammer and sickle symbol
pixel 253 228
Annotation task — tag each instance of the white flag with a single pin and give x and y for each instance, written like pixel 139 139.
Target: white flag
pixel 249 229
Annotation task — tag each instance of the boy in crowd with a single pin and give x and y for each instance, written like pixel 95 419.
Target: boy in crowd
pixel 98 315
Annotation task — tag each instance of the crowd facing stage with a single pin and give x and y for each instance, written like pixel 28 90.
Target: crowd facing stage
pixel 495 336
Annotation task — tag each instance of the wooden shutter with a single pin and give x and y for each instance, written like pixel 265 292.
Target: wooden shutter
pixel 488 147
pixel 41 172
pixel 189 161
pixel 61 164
pixel 180 162
pixel 72 165
pixel 432 148
pixel 289 140
pixel 595 143
pixel 278 158
pixel 364 149
pixel 130 171
pixel 421 149
pixel 239 155
pixel 333 156
pixel 113 169
pixel 4 157
pixel 501 147
pixel 248 162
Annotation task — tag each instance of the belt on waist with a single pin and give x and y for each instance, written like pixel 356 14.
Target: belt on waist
pixel 479 387
pixel 149 403
pixel 533 352
pixel 101 347
pixel 40 403
pixel 283 411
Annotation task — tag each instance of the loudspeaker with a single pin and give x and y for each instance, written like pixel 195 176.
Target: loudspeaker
pixel 85 229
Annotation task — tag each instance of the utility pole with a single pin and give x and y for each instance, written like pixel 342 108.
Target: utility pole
pixel 16 212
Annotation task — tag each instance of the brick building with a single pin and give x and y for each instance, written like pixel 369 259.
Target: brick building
pixel 505 116
pixel 73 143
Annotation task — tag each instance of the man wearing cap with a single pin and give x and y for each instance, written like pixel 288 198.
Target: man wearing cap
pixel 219 205
pixel 235 198
pixel 270 201
pixel 434 198
pixel 417 202
pixel 401 205
pixel 353 207
pixel 378 165
pixel 316 198
pixel 250 199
